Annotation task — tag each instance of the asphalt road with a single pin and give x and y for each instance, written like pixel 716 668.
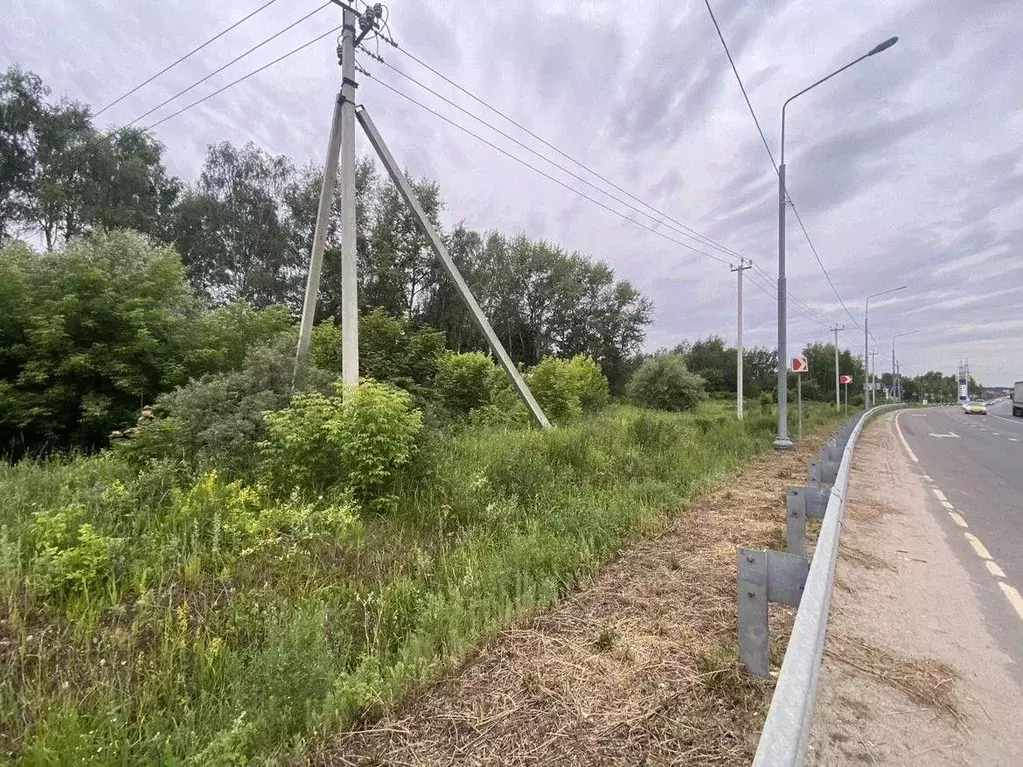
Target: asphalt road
pixel 975 464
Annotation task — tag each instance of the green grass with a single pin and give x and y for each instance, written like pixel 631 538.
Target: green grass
pixel 176 630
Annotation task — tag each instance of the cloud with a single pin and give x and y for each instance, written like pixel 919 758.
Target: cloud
pixel 906 168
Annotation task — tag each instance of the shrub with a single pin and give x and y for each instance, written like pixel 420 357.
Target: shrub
pixel 463 381
pixel 590 383
pixel 566 388
pixel 556 389
pixel 70 556
pixel 229 333
pixel 217 422
pixel 95 328
pixel 664 383
pixel 223 519
pixel 358 442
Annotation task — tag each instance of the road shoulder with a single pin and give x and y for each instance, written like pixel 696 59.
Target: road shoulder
pixel 911 674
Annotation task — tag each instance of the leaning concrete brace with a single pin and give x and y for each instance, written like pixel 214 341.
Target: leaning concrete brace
pixel 786 732
pixel 475 313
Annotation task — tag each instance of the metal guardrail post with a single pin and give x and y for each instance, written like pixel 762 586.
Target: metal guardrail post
pixel 795 520
pixel 765 576
pixel 754 644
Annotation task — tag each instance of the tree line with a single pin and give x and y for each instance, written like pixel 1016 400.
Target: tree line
pixel 244 231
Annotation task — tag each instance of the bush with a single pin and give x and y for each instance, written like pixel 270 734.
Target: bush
pixel 217 422
pixel 556 389
pixel 358 442
pixel 566 388
pixel 70 556
pixel 463 381
pixel 95 328
pixel 229 333
pixel 664 383
pixel 590 383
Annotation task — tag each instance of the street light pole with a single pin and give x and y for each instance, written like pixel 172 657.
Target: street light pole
pixel 895 364
pixel 866 342
pixel 782 441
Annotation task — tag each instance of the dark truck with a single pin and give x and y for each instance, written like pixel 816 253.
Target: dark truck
pixel 1017 399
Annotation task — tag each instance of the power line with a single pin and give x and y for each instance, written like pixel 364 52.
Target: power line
pixel 560 152
pixel 580 164
pixel 192 52
pixel 767 146
pixel 795 301
pixel 221 69
pixel 292 52
pixel 742 87
pixel 813 250
pixel 546 175
pixel 532 151
pixel 767 286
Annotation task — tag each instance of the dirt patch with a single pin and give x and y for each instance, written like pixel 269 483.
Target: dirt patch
pixel 640 668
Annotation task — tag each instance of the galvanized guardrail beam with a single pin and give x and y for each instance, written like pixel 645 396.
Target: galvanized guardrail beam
pixel 786 733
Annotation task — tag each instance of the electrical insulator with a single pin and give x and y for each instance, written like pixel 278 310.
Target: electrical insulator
pixel 378 10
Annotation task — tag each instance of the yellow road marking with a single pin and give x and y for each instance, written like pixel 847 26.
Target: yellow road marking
pixel 958 519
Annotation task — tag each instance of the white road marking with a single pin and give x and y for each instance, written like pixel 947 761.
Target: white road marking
pixel 905 444
pixel 939 495
pixel 928 477
pixel 948 505
pixel 1013 439
pixel 1014 598
pixel 978 547
pixel 995 434
pixel 958 519
pixel 994 569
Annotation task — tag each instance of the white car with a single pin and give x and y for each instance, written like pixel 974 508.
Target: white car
pixel 975 408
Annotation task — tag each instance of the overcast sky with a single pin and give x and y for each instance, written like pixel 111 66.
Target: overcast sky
pixel 906 169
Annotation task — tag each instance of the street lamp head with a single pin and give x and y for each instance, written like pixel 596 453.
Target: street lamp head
pixel 883 46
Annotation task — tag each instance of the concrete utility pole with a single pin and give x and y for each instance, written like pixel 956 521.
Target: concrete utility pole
pixel 838 401
pixel 349 274
pixel 341 142
pixel 873 378
pixel 744 264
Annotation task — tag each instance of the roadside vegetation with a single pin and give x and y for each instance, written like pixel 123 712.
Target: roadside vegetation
pixel 160 615
pixel 206 559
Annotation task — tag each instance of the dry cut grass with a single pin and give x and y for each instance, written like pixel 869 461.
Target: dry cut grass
pixel 639 668
pixel 926 682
